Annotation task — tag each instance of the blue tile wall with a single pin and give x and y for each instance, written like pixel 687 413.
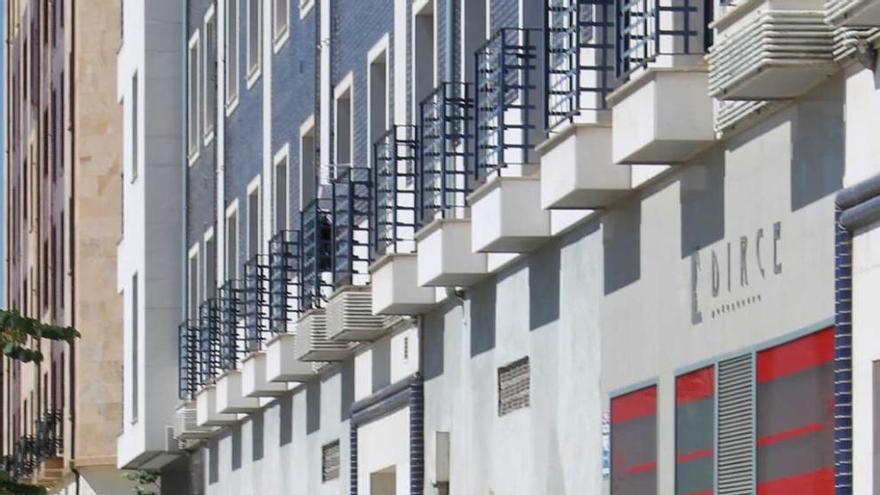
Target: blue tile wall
pixel 503 13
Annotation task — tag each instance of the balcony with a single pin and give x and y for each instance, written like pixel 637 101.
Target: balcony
pixel 771 50
pixel 285 305
pixel 235 342
pixel 313 343
pixel 395 288
pixel 443 238
pixel 349 309
pixel 257 322
pixel 577 170
pixel 853 13
pixel 661 111
pixel 208 349
pixel 506 207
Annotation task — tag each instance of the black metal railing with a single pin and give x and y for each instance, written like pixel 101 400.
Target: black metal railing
pixel 285 287
pixel 49 438
pixel 255 301
pixel 317 254
pixel 352 200
pixel 395 155
pixel 444 150
pixel 208 341
pixel 188 377
pixel 647 29
pixel 229 315
pixel 506 99
pixel 24 459
pixel 579 55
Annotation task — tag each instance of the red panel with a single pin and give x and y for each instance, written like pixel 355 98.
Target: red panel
pixel 694 386
pixel 791 434
pixel 634 405
pixel 817 482
pixel 802 354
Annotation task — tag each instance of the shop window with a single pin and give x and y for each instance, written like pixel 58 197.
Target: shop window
pixel 330 461
pixel 795 417
pixel 695 432
pixel 514 383
pixel 634 443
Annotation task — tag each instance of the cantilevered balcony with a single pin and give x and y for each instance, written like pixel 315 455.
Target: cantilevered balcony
pixel 209 346
pixel 234 345
pixel 394 272
pixel 577 170
pixel 350 315
pixel 662 112
pixel 771 49
pixel 318 275
pixel 506 210
pixel 853 13
pixel 285 307
pixel 255 299
pixel 443 240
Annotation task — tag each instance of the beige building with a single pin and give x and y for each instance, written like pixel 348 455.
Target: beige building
pixel 60 418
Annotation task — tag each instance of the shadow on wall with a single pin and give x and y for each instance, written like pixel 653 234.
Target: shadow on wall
pixel 702 201
pixel 434 339
pixel 257 424
pixel 346 380
pixel 817 145
pixel 285 417
pixel 313 406
pixel 213 461
pixel 482 315
pixel 381 364
pixel 544 298
pixel 236 447
pixel 621 239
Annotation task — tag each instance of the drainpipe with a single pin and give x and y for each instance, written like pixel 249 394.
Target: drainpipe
pixel 184 156
pixel 855 207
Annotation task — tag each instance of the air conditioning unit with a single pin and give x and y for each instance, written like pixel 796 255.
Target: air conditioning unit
pixel 853 13
pixel 771 52
pixel 186 425
pixel 313 343
pixel 350 315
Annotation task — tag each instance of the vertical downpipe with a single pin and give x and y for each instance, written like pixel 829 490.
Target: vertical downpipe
pixel 184 155
pixel 842 356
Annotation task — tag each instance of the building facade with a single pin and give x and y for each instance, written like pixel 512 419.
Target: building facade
pixel 63 202
pixel 500 246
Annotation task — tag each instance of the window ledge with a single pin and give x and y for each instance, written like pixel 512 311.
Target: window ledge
pixel 231 105
pixel 193 157
pixel 280 39
pixel 305 8
pixel 254 76
pixel 209 137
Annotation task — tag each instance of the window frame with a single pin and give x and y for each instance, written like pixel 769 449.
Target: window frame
pixel 281 34
pixel 134 127
pixel 208 239
pixel 254 67
pixel 193 281
pixel 306 131
pixel 209 124
pixel 379 51
pixel 254 188
pixel 232 67
pixel 231 212
pixel 345 86
pixel 193 80
pixel 282 156
pixel 305 7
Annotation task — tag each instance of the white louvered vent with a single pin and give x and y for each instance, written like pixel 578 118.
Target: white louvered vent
pixel 330 461
pixel 736 426
pixel 771 54
pixel 733 115
pixel 514 386
pixel 350 315
pixel 853 12
pixel 313 343
pixel 186 426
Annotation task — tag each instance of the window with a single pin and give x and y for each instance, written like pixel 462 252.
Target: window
pixel 378 89
pixel 192 280
pixel 307 170
pixel 210 269
pixel 281 25
pixel 135 337
pixel 255 28
pixel 231 53
pixel 795 416
pixel 134 127
pixel 330 461
pixel 209 89
pixel 474 34
pixel 279 179
pixel 634 443
pixel 423 33
pixel 193 98
pixel 253 216
pixel 695 432
pixel 232 242
pixel 514 383
pixel 343 123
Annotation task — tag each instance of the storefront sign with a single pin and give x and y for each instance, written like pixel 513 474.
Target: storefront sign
pixel 728 276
